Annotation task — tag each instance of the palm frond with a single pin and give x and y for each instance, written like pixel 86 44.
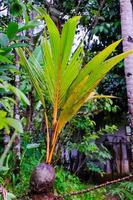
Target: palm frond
pixel 67 38
pixel 69 84
pixel 71 72
pixel 32 69
pixel 81 92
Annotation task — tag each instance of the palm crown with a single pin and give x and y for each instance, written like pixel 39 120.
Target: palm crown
pixel 69 84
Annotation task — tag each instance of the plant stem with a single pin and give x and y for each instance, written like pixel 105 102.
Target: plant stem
pixel 54 141
pixel 2 159
pixel 48 138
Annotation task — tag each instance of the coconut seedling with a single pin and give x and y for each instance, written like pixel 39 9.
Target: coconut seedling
pixel 67 83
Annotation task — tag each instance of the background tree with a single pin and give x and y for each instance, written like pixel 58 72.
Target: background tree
pixel 126 12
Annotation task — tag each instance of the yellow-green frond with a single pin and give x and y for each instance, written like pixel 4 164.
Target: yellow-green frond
pixel 35 74
pixel 81 92
pixel 67 38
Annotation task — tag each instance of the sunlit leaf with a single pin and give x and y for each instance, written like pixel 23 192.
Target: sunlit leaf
pixel 12 29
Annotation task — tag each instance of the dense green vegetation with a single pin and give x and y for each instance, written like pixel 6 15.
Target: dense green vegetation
pixel 46 79
pixel 65 182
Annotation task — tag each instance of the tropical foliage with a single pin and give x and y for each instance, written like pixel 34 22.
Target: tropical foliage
pixel 63 97
pixel 69 84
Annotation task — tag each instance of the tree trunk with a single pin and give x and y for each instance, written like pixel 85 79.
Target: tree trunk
pixel 29 113
pixel 127 33
pixel 30 108
pixel 16 143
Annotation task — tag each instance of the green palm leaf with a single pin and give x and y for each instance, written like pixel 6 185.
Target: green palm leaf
pixel 81 92
pixel 67 38
pixel 61 73
pixel 54 39
pixel 67 83
pixel 35 77
pixel 50 70
pixel 71 72
pixel 56 53
pixel 96 62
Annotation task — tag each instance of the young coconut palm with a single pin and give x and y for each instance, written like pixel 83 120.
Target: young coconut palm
pixel 67 83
